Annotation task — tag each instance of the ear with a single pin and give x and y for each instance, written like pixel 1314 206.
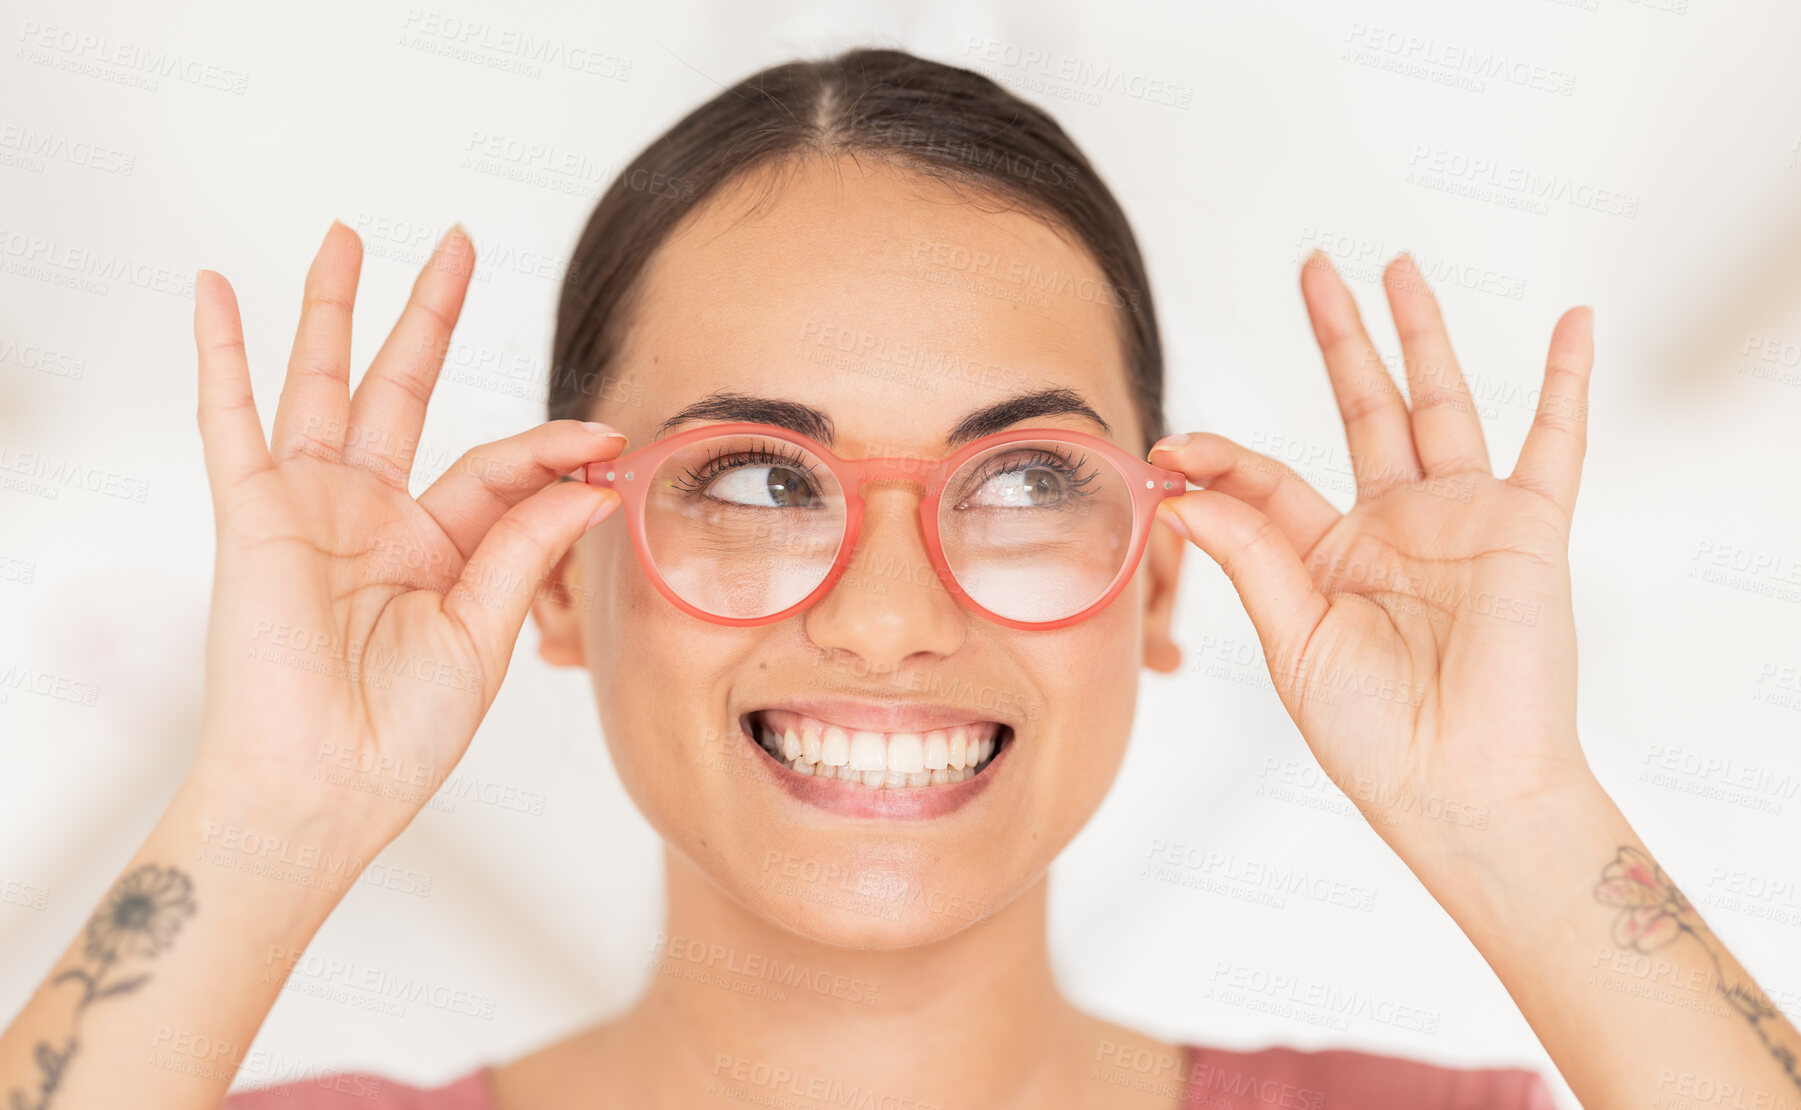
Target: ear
pixel 557 611
pixel 1163 566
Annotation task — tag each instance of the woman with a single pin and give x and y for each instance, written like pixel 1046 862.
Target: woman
pixel 866 703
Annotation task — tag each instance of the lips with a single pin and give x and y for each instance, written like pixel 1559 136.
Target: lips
pixel 845 746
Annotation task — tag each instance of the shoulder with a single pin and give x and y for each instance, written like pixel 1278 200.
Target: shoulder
pixel 1291 1079
pixel 365 1091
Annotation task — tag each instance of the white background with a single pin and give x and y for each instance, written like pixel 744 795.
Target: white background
pixel 1287 140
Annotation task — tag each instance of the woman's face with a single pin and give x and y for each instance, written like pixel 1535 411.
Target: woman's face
pixel 896 310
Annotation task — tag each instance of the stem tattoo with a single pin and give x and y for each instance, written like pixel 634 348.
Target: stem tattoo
pixel 138 920
pixel 1654 914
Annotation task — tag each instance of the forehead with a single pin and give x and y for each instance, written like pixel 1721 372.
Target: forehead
pixel 885 299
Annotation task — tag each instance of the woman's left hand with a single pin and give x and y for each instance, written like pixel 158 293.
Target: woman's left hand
pixel 1423 642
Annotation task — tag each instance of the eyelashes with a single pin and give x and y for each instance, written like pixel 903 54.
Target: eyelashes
pixel 1075 475
pixel 695 479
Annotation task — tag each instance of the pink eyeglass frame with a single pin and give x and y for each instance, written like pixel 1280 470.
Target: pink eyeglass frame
pixel 629 474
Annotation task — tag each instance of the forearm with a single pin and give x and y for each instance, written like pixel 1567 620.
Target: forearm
pixel 1636 1000
pixel 155 1003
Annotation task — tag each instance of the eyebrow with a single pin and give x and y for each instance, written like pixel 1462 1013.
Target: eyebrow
pixel 814 424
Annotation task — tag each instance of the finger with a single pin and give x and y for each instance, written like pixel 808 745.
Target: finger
pixel 495 591
pixel 315 399
pixel 388 409
pixel 1447 433
pixel 1375 417
pixel 489 480
pixel 1300 511
pixel 1551 458
pixel 231 434
pixel 1278 593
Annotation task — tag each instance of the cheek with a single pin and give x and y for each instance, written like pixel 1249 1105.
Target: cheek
pixel 1089 679
pixel 650 694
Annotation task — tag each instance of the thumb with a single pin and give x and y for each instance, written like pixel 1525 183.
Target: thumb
pixel 1278 593
pixel 507 570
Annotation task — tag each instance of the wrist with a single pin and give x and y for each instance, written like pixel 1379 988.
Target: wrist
pixel 248 809
pixel 1536 859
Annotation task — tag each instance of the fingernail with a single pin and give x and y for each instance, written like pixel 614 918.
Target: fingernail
pixel 600 429
pixel 1170 443
pixel 1173 522
pixel 607 505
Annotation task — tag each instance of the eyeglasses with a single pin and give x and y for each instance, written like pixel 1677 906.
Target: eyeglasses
pixel 744 524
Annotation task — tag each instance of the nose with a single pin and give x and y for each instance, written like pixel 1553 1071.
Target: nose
pixel 889 607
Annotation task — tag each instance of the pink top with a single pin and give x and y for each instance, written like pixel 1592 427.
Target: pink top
pixel 1212 1078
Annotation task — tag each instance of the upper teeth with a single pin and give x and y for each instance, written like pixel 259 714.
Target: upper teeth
pixel 882 759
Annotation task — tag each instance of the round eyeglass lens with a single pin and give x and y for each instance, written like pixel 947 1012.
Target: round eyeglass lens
pixel 743 526
pixel 1036 530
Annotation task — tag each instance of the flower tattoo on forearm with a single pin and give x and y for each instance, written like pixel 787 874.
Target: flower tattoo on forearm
pixel 139 919
pixel 1654 914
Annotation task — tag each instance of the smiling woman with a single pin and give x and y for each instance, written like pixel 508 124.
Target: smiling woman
pixel 866 645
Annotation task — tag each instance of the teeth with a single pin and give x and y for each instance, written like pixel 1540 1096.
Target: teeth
pixel 835 747
pixel 868 752
pixel 906 753
pixel 877 760
pixel 937 750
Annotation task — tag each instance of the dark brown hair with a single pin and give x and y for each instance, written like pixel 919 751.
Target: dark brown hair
pixel 939 120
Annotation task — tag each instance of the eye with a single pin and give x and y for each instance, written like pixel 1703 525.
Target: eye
pixel 763 487
pixel 1028 487
pixel 1032 479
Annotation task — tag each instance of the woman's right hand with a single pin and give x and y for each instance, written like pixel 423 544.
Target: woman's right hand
pixel 358 635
